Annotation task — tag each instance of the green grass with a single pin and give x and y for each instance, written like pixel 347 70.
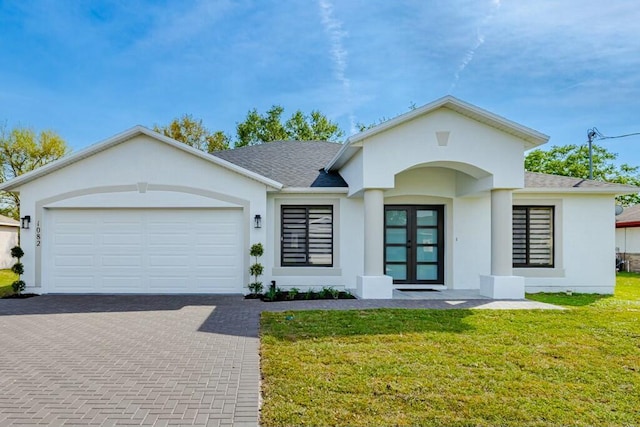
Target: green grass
pixel 578 367
pixel 7 277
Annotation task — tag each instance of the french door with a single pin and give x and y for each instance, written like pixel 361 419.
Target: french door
pixel 414 243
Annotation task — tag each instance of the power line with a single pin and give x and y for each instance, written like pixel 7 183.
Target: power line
pixel 595 134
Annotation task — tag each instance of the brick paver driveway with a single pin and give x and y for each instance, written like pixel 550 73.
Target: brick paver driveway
pixel 146 360
pixel 129 360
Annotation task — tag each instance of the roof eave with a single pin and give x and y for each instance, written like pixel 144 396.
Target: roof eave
pixel 616 191
pixel 124 136
pixel 316 190
pixel 625 224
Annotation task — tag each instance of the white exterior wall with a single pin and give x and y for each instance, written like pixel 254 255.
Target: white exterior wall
pixel 8 239
pixel 141 172
pixel 352 173
pixel 471 148
pixel 471 240
pixel 628 240
pixel 584 244
pixel 348 235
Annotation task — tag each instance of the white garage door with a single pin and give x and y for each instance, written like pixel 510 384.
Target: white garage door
pixel 143 251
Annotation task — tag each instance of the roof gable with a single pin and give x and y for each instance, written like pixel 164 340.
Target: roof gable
pixel 532 138
pixel 122 138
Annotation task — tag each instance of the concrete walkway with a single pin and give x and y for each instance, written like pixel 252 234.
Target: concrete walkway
pixel 146 360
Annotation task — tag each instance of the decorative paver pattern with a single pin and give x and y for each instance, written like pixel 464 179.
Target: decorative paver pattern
pixel 128 360
pixel 142 360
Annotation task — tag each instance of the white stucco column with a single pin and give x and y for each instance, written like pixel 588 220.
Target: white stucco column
pixel 501 233
pixel 373 284
pixel 502 283
pixel 373 229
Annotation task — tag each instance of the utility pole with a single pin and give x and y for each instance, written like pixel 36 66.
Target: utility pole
pixel 594 133
pixel 591 134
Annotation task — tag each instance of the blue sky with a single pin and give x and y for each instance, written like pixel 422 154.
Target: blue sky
pixel 91 69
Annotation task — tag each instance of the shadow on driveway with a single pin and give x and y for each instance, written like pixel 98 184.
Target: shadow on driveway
pixel 230 314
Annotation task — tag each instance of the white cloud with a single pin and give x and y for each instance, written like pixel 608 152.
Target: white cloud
pixel 333 27
pixel 479 41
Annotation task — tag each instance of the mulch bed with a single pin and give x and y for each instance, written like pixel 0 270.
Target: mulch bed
pixel 300 296
pixel 19 296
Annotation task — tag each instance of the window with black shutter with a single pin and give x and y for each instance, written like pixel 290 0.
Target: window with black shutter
pixel 307 236
pixel 533 236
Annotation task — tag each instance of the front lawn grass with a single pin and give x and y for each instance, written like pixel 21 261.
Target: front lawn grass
pixel 578 367
pixel 7 277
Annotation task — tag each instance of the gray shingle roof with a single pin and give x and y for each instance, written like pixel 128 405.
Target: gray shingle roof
pixel 292 163
pixel 301 164
pixel 543 180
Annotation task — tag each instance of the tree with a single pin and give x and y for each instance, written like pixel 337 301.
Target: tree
pixel 193 133
pixel 573 160
pixel 258 128
pixel 23 150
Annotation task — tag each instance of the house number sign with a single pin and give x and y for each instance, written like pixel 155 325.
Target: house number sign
pixel 38 229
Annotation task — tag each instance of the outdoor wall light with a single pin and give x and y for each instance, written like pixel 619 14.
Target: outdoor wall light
pixel 25 221
pixel 257 221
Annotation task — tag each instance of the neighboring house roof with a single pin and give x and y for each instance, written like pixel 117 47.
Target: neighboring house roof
pixel 297 164
pixel 9 222
pixel 531 137
pixel 542 182
pixel 125 136
pixel 630 217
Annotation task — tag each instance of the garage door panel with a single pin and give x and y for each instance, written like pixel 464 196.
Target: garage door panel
pixel 163 284
pixel 74 260
pixel 72 283
pixel 74 239
pixel 205 261
pixel 141 251
pixel 121 261
pixel 169 261
pixel 120 239
pixel 120 284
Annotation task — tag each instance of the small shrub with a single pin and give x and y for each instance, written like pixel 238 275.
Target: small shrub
pixel 293 293
pixel 17 252
pixel 256 250
pixel 328 292
pixel 256 288
pixel 18 286
pixel 309 294
pixel 256 269
pixel 271 294
pixel 18 268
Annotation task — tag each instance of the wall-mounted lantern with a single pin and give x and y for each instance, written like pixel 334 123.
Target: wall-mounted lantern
pixel 257 221
pixel 25 221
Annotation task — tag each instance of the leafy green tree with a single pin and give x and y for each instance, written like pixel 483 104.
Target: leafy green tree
pixel 573 160
pixel 258 128
pixel 193 133
pixel 23 150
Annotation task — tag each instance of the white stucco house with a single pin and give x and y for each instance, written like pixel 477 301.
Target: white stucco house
pixel 435 198
pixel 9 229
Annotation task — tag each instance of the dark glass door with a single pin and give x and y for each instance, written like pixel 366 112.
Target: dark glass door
pixel 414 243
